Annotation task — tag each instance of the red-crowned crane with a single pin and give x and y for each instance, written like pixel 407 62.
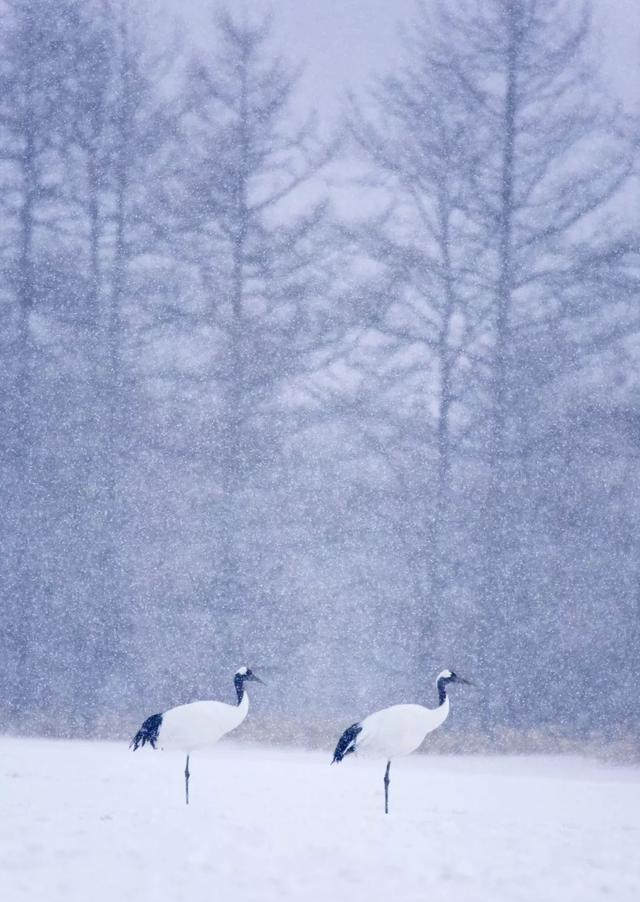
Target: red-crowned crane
pixel 197 725
pixel 396 731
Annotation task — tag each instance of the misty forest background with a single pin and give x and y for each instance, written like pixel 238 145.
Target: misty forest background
pixel 349 405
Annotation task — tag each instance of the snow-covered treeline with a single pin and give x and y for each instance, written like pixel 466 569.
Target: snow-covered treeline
pixel 349 409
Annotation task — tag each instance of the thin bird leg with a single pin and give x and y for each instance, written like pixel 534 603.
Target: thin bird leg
pixel 186 780
pixel 386 788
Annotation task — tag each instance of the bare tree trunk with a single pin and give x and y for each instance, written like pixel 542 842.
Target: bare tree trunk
pixel 498 584
pixel 25 581
pixel 445 450
pixel 232 595
pixel 93 209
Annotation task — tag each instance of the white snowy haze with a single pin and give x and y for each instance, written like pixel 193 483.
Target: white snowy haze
pixel 320 356
pixel 343 43
pixel 349 395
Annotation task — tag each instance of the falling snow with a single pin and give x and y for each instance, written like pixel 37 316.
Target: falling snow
pixel 347 394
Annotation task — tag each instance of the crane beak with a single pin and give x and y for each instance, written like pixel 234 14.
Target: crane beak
pixel 256 679
pixel 465 682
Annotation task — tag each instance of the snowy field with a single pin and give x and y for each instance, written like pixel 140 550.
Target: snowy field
pixel 92 821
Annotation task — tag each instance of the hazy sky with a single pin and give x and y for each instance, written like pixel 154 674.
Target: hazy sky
pixel 345 41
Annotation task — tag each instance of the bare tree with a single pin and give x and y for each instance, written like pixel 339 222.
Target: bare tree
pixel 549 166
pixel 118 126
pixel 242 216
pixel 31 80
pixel 504 163
pixel 423 300
pixel 78 142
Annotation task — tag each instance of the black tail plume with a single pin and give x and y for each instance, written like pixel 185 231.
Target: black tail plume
pixel 347 742
pixel 148 732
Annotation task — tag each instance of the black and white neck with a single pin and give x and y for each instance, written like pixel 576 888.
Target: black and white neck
pixel 442 681
pixel 244 675
pixel 238 682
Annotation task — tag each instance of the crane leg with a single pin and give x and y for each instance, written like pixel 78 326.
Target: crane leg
pixel 386 788
pixel 186 780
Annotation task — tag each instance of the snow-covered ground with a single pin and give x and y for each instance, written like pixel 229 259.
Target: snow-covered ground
pixel 92 821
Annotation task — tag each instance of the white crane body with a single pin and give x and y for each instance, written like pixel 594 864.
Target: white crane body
pixel 197 725
pixel 200 725
pixel 399 730
pixel 396 731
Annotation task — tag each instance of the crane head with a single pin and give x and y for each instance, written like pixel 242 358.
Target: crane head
pixel 449 676
pixel 245 674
